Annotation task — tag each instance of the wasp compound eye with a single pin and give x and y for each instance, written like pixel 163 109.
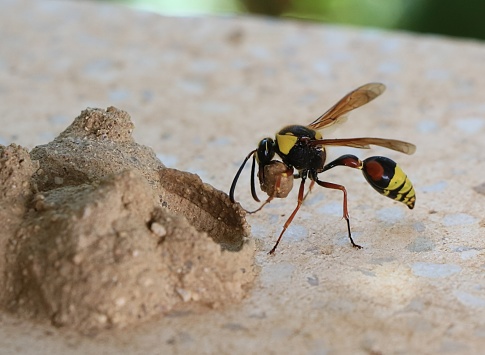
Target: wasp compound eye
pixel 387 178
pixel 265 151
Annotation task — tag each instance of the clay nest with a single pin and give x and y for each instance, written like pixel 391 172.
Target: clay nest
pixel 97 233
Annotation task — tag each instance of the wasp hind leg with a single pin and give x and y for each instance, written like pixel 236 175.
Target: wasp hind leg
pixel 330 185
pixel 382 173
pixel 350 161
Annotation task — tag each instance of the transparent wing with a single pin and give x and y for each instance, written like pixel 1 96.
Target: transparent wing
pixel 351 101
pixel 364 143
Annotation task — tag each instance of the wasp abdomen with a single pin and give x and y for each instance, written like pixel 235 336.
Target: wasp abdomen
pixel 387 178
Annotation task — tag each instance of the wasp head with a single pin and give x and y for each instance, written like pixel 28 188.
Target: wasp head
pixel 265 151
pixel 263 155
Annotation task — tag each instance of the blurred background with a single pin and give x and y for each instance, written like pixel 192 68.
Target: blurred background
pixel 445 17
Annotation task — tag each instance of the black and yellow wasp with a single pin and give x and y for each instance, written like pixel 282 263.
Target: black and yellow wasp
pixel 303 148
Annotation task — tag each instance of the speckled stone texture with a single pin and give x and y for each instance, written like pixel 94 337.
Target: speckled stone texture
pixel 202 92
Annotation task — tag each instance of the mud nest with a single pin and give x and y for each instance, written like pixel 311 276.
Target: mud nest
pixel 97 233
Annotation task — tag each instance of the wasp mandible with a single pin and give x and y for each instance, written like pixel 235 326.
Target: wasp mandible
pixel 302 148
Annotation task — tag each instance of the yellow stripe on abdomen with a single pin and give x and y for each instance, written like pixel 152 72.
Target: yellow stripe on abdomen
pixel 387 178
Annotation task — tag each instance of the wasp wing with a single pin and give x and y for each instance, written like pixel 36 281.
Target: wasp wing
pixel 364 143
pixel 351 101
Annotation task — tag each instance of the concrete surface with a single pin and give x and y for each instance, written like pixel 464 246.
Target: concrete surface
pixel 202 92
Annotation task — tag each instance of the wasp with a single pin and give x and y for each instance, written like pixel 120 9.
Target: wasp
pixel 303 148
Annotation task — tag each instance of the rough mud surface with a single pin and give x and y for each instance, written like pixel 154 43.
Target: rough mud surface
pixel 98 233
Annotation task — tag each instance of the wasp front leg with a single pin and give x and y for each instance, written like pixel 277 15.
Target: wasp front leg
pixel 276 179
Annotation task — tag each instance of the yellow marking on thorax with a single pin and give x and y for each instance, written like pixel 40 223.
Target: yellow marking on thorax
pixel 286 142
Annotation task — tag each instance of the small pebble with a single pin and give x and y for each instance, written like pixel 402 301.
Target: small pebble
pixel 184 294
pixel 158 229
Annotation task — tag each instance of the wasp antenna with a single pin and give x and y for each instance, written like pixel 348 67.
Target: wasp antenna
pixel 253 186
pixel 234 182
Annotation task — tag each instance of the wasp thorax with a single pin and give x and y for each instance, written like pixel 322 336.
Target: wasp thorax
pixel 265 151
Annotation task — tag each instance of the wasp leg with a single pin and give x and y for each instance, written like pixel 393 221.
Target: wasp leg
pixel 288 222
pixel 276 189
pixel 330 185
pixel 270 198
pixel 312 183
